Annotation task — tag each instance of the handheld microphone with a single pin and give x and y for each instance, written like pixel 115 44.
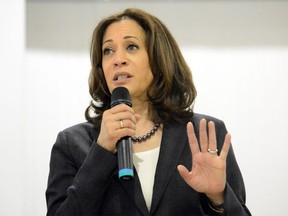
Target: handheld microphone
pixel 124 145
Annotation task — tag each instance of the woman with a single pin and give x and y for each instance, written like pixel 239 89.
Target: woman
pixel 180 169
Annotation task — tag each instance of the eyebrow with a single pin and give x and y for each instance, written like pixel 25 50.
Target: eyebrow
pixel 125 37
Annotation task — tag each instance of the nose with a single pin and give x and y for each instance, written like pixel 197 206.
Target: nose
pixel 119 59
pixel 118 63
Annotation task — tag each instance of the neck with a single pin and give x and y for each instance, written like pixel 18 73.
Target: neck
pixel 142 108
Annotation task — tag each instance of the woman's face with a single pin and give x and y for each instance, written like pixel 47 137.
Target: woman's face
pixel 125 59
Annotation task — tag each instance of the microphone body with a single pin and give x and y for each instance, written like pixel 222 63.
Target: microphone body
pixel 124 145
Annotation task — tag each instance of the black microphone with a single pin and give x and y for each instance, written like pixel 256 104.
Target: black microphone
pixel 124 145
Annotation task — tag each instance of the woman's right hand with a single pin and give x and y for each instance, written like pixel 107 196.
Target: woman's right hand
pixel 111 130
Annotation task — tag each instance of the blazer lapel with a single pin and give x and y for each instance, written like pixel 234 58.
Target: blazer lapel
pixel 134 191
pixel 172 145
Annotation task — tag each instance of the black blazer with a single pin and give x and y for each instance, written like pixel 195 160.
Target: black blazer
pixel 83 178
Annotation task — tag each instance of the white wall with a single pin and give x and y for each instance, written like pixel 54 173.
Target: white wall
pixel 237 50
pixel 12 108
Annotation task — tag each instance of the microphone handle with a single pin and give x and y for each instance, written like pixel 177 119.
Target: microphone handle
pixel 125 158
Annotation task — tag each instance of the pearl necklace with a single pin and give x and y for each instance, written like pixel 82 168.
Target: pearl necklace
pixel 146 136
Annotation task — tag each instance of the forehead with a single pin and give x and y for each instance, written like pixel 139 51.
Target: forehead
pixel 125 27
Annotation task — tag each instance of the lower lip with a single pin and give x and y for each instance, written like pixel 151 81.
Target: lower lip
pixel 122 81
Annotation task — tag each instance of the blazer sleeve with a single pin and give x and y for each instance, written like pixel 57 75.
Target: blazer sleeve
pixel 234 194
pixel 77 189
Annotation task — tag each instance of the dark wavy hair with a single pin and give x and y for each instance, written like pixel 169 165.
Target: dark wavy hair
pixel 172 91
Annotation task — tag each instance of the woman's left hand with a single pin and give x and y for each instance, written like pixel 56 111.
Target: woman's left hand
pixel 208 174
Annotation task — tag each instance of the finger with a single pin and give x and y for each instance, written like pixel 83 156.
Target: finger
pixel 124 127
pixel 119 120
pixel 125 132
pixel 212 136
pixel 138 117
pixel 226 146
pixel 192 139
pixel 184 173
pixel 203 135
pixel 121 108
pixel 125 123
pixel 124 113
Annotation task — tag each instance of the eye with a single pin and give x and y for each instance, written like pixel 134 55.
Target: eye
pixel 132 47
pixel 107 51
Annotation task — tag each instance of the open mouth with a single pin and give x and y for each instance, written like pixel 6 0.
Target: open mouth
pixel 121 77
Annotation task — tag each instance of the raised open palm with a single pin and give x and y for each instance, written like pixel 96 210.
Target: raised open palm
pixel 208 173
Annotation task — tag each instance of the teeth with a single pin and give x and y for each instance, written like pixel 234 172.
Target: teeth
pixel 123 77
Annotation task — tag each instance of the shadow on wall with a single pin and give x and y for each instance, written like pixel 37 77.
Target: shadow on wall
pixel 68 25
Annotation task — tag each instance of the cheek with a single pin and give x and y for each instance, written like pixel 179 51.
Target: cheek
pixel 146 67
pixel 106 72
pixel 149 74
pixel 149 77
pixel 107 75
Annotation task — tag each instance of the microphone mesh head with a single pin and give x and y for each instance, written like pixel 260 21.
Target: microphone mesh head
pixel 120 95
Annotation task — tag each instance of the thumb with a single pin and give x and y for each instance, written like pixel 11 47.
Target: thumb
pixel 183 171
